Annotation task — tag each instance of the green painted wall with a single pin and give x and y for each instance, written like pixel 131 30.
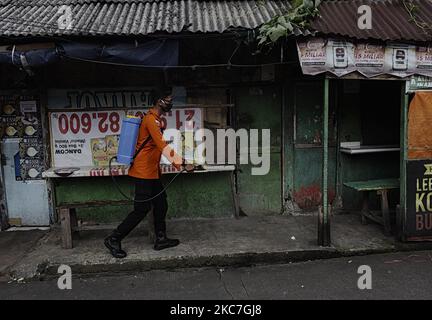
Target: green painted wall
pixel 308 177
pixel 260 194
pixel 260 108
pixel 190 195
pixel 303 145
pixel 201 194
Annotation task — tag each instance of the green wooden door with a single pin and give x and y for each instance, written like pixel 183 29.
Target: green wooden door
pixel 260 108
pixel 303 146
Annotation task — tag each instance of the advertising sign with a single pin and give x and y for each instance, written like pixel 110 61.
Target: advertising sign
pixel 319 55
pixel 419 199
pixel 419 83
pixel 90 138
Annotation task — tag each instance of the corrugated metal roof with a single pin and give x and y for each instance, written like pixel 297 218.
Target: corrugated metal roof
pixel 135 17
pixel 390 19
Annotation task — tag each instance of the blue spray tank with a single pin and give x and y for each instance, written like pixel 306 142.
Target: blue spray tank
pixel 126 152
pixel 128 139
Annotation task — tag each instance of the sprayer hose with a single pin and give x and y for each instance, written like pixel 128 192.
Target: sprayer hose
pixel 146 200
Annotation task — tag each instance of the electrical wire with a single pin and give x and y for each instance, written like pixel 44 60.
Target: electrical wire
pixel 179 67
pixel 139 201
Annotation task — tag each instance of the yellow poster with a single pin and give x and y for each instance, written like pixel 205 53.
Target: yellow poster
pixel 99 152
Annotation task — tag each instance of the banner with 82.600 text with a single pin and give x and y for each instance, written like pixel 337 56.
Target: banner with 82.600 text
pixel 90 138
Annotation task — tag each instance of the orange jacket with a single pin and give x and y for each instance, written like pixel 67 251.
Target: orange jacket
pixel 146 164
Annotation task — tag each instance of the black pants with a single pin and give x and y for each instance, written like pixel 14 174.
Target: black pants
pixel 145 189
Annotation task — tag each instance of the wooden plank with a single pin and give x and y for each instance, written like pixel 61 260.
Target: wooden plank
pixel 86 204
pixel 365 208
pixel 74 220
pixel 66 230
pixel 374 185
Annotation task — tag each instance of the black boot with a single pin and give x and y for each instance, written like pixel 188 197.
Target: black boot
pixel 113 243
pixel 162 242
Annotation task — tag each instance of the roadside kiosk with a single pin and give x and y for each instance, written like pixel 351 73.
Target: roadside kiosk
pixel 416 185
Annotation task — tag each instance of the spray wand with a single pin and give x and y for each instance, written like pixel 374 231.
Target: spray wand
pixel 146 200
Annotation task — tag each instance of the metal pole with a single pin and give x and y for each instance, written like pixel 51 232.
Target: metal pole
pixel 323 220
pixel 401 214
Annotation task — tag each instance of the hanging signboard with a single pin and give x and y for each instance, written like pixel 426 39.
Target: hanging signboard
pixel 419 200
pixel 340 57
pixel 90 138
pixel 417 83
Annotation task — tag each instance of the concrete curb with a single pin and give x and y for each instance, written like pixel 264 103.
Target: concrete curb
pixel 47 270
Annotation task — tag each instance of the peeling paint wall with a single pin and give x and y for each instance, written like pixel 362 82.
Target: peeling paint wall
pixel 259 107
pixel 303 146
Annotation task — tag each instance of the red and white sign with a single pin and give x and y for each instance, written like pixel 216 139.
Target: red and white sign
pixel 90 138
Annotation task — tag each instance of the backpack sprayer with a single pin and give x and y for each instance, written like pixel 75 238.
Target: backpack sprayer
pixel 127 152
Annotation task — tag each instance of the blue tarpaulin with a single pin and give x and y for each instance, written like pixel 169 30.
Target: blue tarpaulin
pixel 150 53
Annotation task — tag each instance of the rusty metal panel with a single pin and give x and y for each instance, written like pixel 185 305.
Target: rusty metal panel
pixel 390 20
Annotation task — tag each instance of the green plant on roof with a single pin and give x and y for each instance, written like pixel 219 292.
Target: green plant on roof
pixel 413 11
pixel 281 26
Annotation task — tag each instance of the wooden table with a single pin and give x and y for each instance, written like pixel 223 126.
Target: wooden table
pixel 382 187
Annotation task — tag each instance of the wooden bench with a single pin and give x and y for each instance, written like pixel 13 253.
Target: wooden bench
pixel 382 187
pixel 68 218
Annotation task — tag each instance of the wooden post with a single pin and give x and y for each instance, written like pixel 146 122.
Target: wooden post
pixel 74 221
pixel 323 219
pixel 385 211
pixel 365 207
pixel 66 230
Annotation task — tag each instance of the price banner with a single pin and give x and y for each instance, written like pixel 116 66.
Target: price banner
pixel 90 138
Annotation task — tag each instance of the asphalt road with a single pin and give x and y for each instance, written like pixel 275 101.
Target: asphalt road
pixel 405 275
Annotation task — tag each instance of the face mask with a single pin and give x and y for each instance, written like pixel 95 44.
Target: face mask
pixel 166 106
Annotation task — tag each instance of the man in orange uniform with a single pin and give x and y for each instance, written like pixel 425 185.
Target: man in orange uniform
pixel 145 170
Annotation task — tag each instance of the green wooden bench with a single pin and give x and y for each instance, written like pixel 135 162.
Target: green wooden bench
pixel 382 187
